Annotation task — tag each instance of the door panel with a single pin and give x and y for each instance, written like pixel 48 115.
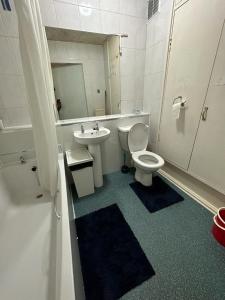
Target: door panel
pixel 208 158
pixel 196 31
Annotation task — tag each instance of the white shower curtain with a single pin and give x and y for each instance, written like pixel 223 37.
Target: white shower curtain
pixel 38 79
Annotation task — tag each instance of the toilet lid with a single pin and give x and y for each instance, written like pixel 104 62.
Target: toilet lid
pixel 138 137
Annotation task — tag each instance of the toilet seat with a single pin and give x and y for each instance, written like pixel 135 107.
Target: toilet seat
pixel 137 142
pixel 147 160
pixel 138 138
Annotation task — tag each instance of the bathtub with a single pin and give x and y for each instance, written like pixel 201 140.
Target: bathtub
pixel 35 246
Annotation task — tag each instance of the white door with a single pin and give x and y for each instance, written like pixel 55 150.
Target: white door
pixel 196 31
pixel 208 158
pixel 70 89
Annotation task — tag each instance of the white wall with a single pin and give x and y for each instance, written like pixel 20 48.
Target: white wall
pixel 13 106
pixel 104 16
pixel 158 28
pixel 109 16
pixel 92 59
pixel 111 151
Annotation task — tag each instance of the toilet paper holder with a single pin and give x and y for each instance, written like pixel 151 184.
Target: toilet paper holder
pixel 179 99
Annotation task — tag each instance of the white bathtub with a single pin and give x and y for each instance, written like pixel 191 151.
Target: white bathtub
pixel 35 249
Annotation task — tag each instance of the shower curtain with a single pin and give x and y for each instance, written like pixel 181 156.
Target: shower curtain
pixel 39 84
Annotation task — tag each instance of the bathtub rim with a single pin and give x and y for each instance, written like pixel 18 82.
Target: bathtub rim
pixel 67 287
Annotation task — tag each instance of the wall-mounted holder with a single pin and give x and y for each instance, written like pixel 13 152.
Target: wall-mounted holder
pixel 180 100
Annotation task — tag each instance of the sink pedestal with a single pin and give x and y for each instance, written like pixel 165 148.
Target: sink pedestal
pixel 95 151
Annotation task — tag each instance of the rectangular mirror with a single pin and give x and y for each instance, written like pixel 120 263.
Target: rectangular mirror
pixel 86 73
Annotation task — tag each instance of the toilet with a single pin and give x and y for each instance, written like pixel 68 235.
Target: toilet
pixel 135 140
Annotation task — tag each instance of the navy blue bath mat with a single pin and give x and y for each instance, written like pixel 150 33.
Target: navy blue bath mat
pixel 112 260
pixel 157 196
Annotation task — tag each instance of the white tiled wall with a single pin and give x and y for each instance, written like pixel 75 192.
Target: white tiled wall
pixel 92 59
pixel 13 106
pixel 109 16
pixel 112 156
pixel 104 16
pixel 158 28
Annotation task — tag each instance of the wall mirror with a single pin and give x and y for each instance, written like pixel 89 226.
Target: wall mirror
pixel 86 73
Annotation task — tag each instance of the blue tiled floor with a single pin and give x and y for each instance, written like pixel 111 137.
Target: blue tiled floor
pixel 188 262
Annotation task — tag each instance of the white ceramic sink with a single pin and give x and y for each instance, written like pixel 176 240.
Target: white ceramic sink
pixel 91 136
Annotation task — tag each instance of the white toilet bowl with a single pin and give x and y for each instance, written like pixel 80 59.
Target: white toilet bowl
pixel 145 162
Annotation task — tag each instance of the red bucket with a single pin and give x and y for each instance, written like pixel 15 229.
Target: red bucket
pixel 218 232
pixel 220 217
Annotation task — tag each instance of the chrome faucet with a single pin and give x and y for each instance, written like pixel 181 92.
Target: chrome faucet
pixel 82 128
pixel 96 127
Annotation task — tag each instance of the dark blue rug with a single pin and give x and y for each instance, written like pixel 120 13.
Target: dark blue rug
pixel 157 196
pixel 112 260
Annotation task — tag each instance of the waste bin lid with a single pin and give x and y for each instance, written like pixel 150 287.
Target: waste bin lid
pixel 78 156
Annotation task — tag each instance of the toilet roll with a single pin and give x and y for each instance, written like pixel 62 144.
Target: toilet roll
pixel 176 110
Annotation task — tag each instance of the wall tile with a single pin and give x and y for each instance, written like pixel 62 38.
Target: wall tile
pixel 128 88
pixel 67 1
pixel 9 22
pixel 90 19
pixel 2 28
pixel 10 61
pixel 153 90
pixel 140 34
pixel 89 3
pixel 48 13
pixel 127 62
pixel 139 85
pixel 134 8
pixel 12 90
pixel 91 56
pixel 136 30
pixel 73 51
pixel 139 62
pixel 4 117
pixel 18 116
pixel 155 63
pixel 159 25
pixel 127 26
pixel 110 22
pixel 128 7
pixel 15 49
pixel 110 5
pixel 142 9
pixel 155 58
pixel 126 107
pixel 67 15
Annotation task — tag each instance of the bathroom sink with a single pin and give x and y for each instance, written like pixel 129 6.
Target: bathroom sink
pixel 92 136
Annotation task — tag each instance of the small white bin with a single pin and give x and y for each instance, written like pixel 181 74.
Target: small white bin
pixel 80 163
